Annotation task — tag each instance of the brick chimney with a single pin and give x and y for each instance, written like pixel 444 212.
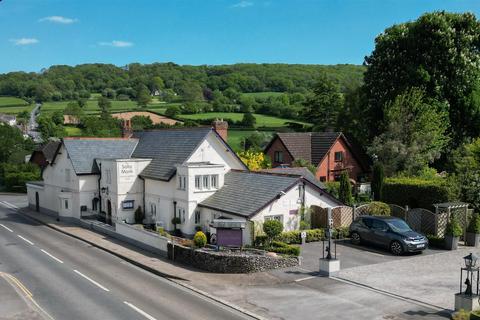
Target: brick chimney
pixel 221 127
pixel 127 131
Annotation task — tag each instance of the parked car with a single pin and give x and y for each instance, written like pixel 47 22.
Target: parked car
pixel 388 232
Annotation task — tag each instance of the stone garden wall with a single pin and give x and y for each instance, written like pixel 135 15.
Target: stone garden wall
pixel 229 261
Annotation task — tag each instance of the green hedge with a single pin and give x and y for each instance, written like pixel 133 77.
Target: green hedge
pixel 283 248
pixel 417 193
pixel 293 237
pixel 435 241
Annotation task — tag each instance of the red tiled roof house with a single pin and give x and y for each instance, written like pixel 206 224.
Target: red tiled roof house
pixel 330 152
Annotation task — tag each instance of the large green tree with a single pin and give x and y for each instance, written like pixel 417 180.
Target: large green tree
pixel 438 52
pixel 323 107
pixel 415 134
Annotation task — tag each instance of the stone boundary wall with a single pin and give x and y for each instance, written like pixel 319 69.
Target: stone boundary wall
pixel 220 262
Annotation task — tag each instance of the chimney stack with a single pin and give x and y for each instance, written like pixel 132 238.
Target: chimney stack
pixel 221 127
pixel 127 131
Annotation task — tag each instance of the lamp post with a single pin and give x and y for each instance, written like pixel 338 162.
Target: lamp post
pixel 329 265
pixel 468 299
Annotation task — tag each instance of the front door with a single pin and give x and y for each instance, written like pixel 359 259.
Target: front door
pixel 109 212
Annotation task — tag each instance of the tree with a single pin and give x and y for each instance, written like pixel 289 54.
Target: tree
pixel 323 107
pixel 141 122
pixel 255 160
pixel 172 111
pixel 73 109
pixel 82 102
pixel 377 181
pixel 143 96
pixel 249 120
pixel 466 166
pixel 438 53
pixel 272 229
pixel 415 134
pixel 345 190
pixel 12 142
pixel 104 105
pixel 57 117
pixel 257 141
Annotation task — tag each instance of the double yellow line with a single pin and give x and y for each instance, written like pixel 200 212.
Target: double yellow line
pixel 12 280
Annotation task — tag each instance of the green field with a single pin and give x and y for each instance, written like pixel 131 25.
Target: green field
pixel 72 131
pixel 262 120
pixel 236 138
pixel 117 106
pixel 262 94
pixel 12 105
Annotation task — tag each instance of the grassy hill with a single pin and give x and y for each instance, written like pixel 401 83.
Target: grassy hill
pixel 12 105
pixel 117 106
pixel 262 120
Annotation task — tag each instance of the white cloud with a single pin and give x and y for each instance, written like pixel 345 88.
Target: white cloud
pixel 243 4
pixel 59 19
pixel 117 44
pixel 24 41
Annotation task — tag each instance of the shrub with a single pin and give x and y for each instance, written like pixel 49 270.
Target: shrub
pixel 272 228
pixel 345 190
pixel 435 241
pixel 304 225
pixel 139 215
pixel 260 241
pixel 332 187
pixel 377 181
pixel 315 235
pixel 176 220
pixel 474 225
pixel 418 193
pixel 453 228
pixel 377 208
pixel 161 231
pixel 200 239
pixel 283 248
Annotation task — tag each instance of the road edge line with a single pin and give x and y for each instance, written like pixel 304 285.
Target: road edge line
pixel 164 275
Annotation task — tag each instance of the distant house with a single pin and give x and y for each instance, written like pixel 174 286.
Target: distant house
pixel 8 119
pixel 43 155
pixel 70 119
pixel 330 152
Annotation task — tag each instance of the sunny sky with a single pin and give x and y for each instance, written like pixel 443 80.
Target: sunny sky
pixel 38 33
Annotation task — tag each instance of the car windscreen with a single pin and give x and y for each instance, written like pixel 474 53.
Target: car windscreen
pixel 399 226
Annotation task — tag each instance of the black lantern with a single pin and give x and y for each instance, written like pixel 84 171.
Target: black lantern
pixel 470 261
pixel 472 276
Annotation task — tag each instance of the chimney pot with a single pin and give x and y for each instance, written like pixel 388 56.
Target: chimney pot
pixel 221 127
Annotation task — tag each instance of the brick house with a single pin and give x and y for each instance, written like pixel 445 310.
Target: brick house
pixel 330 152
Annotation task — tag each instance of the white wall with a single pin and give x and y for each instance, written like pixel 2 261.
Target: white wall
pixel 151 239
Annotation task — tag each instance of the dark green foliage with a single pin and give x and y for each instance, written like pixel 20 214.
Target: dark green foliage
pixel 143 95
pixel 293 237
pixel 104 105
pixel 139 215
pixel 437 52
pixel 377 208
pixel 345 189
pixel 249 120
pixel 105 126
pixel 13 143
pixel 200 239
pixel 305 163
pixel 435 241
pixel 466 165
pixel 257 141
pixel 453 227
pixel 283 248
pixel 377 181
pixel 172 111
pixel 141 122
pixel 272 228
pixel 474 225
pixel 333 188
pixel 14 176
pixel 418 193
pixel 175 221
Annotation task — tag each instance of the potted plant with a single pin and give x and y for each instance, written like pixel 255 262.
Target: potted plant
pixel 473 231
pixel 175 222
pixel 452 233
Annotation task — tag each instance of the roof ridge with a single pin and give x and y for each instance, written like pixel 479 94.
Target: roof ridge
pixel 99 138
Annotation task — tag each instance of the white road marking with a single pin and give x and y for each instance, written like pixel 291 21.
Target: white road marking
pixel 6 227
pixel 91 280
pixel 26 240
pixel 143 313
pixel 306 278
pixel 52 256
pixel 9 205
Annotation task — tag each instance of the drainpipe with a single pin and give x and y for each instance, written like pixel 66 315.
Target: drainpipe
pixel 99 191
pixel 144 207
pixel 175 213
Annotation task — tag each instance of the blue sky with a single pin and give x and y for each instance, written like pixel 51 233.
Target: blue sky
pixel 38 33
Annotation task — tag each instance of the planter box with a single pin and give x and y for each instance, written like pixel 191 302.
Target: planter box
pixel 473 239
pixel 451 243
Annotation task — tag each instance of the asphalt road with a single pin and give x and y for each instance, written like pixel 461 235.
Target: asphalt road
pixel 70 279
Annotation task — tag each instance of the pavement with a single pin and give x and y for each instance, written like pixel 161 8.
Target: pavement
pixel 290 293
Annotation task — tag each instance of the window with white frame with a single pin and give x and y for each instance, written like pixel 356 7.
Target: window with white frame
pixel 153 209
pixel 198 182
pixel 197 216
pixel 277 217
pixel 65 203
pixel 214 180
pixel 181 214
pixel 67 175
pixel 182 182
pixel 206 182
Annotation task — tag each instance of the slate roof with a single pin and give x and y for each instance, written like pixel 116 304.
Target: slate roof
pixel 167 148
pixel 50 149
pixel 84 151
pixel 311 146
pixel 298 171
pixel 245 193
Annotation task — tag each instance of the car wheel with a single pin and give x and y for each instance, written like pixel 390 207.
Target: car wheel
pixel 396 248
pixel 355 238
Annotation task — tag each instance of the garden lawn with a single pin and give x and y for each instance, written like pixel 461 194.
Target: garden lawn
pixel 263 95
pixel 262 120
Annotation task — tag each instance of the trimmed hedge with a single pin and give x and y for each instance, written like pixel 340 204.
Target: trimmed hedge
pixel 293 237
pixel 377 208
pixel 435 241
pixel 283 248
pixel 416 192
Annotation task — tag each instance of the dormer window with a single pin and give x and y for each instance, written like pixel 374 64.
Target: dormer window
pixel 206 182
